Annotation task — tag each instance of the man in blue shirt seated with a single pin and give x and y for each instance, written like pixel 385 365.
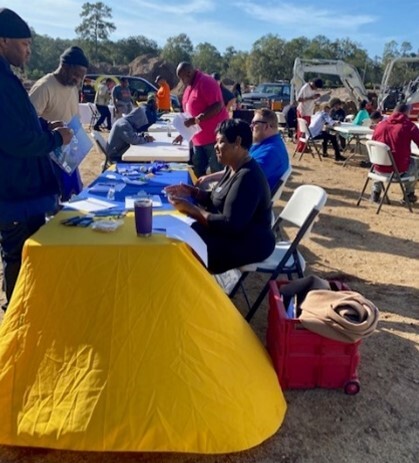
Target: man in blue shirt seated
pixel 268 149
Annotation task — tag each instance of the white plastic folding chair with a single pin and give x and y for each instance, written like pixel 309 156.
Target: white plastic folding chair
pixel 303 207
pixel 380 155
pixel 95 115
pixel 306 139
pixel 279 187
pixel 101 144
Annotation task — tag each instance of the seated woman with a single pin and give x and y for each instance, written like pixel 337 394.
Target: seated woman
pixel 362 113
pixel 234 219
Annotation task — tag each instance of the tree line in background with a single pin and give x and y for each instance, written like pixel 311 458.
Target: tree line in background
pixel 271 57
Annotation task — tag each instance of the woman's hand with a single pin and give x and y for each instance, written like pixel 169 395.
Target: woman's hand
pixel 182 205
pixel 181 191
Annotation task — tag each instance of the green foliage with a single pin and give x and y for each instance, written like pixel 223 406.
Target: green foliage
pixel 177 49
pixel 271 57
pixel 266 61
pixel 207 58
pixel 94 27
pixel 126 50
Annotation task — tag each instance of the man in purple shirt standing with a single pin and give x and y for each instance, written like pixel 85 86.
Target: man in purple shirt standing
pixel 203 101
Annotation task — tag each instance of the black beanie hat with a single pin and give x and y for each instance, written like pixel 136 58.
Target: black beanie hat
pixel 12 26
pixel 74 56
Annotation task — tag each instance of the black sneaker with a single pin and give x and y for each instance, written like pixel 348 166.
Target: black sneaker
pixel 375 197
pixel 340 158
pixel 97 128
pixel 411 197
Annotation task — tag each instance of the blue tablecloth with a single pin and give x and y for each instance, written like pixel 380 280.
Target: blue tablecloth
pixel 154 185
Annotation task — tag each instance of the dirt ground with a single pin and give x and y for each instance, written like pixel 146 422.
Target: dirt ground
pixel 377 255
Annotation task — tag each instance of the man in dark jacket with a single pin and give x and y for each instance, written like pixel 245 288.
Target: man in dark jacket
pixel 28 187
pixel 398 132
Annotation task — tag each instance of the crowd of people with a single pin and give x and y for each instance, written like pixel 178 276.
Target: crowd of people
pixel 238 165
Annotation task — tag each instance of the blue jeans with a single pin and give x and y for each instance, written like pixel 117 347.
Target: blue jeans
pixel 410 186
pixel 12 238
pixel 204 156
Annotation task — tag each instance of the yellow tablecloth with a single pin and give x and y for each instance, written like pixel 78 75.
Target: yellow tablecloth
pixel 119 343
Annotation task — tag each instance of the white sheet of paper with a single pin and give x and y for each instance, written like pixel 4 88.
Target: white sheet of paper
pixel 186 132
pixel 129 201
pixel 89 205
pixel 176 228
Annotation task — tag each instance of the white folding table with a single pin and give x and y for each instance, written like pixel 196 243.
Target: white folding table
pixel 352 132
pixel 161 149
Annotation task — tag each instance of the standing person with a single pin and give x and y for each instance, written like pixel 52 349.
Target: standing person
pixel 228 97
pixel 306 98
pixel 122 98
pixel 28 186
pixel 398 132
pixel 55 97
pixel 237 92
pixel 203 101
pixel 102 100
pixel 163 95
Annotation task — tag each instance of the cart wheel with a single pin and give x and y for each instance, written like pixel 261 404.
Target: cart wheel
pixel 352 387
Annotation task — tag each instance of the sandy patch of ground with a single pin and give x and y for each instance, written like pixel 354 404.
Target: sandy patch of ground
pixel 377 256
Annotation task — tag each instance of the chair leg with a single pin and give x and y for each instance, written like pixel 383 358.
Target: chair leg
pixel 384 196
pixel 406 198
pixel 238 284
pixel 363 191
pixel 317 151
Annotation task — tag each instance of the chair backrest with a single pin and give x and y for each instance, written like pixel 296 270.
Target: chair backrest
pixel 281 118
pixel 279 187
pixel 303 206
pixel 93 109
pixel 101 144
pixel 303 127
pixel 379 153
pixel 349 117
pixel 366 122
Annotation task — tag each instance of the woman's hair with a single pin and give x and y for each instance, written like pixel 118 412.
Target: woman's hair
pixel 233 128
pixel 363 104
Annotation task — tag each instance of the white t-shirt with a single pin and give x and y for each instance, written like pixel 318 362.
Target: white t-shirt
pixel 54 101
pixel 318 121
pixel 306 108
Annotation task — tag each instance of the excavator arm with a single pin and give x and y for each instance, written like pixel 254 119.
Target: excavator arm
pixel 347 73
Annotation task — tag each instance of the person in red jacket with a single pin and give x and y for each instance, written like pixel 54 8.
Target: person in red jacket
pixel 398 131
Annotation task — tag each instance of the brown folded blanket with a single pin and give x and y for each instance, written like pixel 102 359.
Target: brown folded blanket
pixel 345 316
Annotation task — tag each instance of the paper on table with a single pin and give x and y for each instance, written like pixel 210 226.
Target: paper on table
pixel 129 201
pixel 89 205
pixel 178 229
pixel 186 132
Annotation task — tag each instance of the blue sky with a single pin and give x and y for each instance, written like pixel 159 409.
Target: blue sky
pixel 237 23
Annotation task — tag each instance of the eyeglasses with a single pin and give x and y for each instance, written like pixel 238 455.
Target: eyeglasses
pixel 254 123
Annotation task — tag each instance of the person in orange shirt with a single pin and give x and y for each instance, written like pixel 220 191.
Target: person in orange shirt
pixel 163 95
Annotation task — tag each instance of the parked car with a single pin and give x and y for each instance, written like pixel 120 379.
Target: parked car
pixel 139 86
pixel 264 94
